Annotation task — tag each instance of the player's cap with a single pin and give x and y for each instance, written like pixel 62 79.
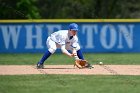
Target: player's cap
pixel 73 26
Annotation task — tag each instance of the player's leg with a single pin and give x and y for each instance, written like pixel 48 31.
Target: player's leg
pixel 44 57
pixel 51 49
pixel 79 52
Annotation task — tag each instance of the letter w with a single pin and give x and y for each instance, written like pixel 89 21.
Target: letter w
pixel 10 32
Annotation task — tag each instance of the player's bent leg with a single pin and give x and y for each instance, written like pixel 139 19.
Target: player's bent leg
pixel 51 49
pixel 79 52
pixel 46 55
pixel 41 62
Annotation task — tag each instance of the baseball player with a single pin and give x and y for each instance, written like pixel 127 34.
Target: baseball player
pixel 65 40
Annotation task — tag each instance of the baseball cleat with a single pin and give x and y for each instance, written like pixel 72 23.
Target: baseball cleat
pixel 89 66
pixel 39 66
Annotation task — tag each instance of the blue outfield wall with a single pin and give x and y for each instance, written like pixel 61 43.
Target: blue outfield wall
pixel 98 36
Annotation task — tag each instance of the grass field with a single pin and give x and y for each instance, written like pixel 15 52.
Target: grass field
pixel 107 58
pixel 69 83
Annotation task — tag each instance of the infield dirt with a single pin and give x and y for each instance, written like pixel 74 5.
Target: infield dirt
pixel 70 69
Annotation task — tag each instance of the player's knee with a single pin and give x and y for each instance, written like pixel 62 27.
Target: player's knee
pixel 52 50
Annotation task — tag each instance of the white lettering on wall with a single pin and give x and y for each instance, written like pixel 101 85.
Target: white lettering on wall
pixel 39 44
pixel 127 34
pixel 30 36
pixel 109 36
pixel 112 36
pixel 89 30
pixel 10 32
pixel 51 28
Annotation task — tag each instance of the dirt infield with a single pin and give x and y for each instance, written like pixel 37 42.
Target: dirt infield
pixel 69 69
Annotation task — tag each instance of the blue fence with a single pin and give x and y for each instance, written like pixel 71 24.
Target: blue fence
pixel 30 37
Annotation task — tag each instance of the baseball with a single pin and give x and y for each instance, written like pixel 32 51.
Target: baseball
pixel 100 63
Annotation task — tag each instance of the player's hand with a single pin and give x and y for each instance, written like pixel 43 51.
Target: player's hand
pixel 72 55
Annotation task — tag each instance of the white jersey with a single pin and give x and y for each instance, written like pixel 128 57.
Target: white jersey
pixel 61 37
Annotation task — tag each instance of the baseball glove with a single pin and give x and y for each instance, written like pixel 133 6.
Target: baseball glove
pixel 80 63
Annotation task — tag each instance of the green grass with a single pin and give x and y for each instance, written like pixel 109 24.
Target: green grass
pixel 69 84
pixel 107 58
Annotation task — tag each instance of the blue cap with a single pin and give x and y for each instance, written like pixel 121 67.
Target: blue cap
pixel 73 26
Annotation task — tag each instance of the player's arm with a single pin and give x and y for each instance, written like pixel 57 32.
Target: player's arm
pixel 74 45
pixel 63 49
pixel 75 54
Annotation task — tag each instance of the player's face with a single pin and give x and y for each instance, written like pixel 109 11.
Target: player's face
pixel 73 32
